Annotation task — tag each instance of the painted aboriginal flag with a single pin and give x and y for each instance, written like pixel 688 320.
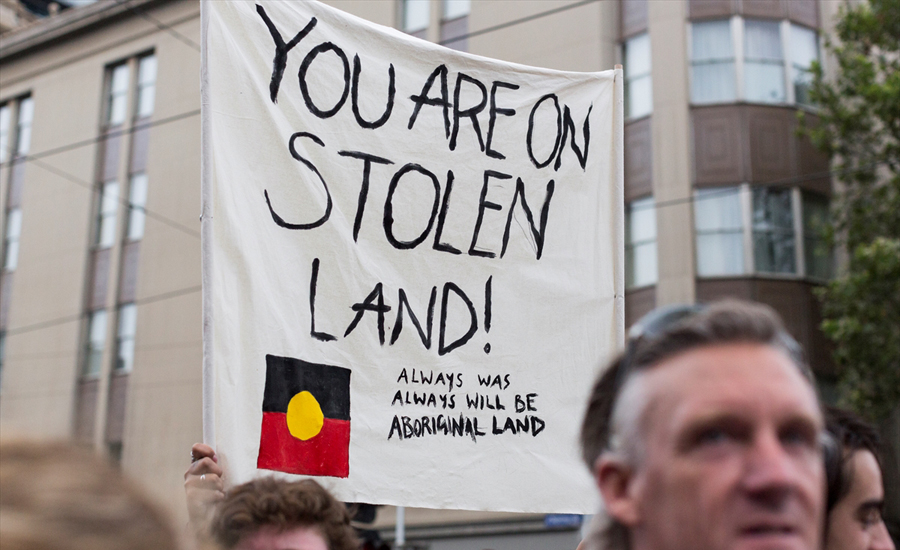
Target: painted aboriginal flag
pixel 306 418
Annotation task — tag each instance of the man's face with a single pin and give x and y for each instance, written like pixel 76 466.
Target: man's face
pixel 731 457
pixel 855 521
pixel 301 538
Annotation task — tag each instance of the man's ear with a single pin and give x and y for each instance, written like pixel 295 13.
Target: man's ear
pixel 616 480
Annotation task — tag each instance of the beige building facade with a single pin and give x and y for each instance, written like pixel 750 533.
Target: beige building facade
pixel 100 303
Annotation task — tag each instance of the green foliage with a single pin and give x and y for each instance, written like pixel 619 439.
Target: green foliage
pixel 858 125
pixel 862 312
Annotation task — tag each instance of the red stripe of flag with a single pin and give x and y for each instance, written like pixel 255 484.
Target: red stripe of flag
pixel 326 454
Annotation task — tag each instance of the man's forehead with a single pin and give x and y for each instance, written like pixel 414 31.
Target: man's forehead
pixel 730 377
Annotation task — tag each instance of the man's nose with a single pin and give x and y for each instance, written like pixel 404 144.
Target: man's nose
pixel 881 540
pixel 771 472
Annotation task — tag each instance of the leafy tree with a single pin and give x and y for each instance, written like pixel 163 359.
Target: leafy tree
pixel 858 125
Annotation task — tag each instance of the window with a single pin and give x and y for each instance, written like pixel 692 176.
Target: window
pixel 125 337
pixel 416 16
pixel 773 61
pixel 757 230
pixel 106 224
pixel 638 90
pixel 146 90
pixel 719 224
pixel 773 231
pixel 23 131
pixel 117 98
pixel 763 62
pixel 5 125
pixel 817 253
pixel 804 50
pixel 93 360
pixel 455 24
pixel 712 62
pixel 640 243
pixel 11 246
pixel 137 201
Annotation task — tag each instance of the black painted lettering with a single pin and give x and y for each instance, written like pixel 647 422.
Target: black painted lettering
pixel 442 217
pixel 389 207
pixel 425 336
pixel 304 87
pixel 471 112
pixel 378 307
pixel 443 348
pixel 364 187
pixel 483 204
pixel 538 233
pixel 354 97
pixel 279 62
pixel 321 336
pixel 328 205
pixel 423 99
pixel 569 127
pixel 495 110
pixel 529 138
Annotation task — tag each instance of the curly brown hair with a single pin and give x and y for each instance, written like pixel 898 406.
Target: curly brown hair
pixel 282 505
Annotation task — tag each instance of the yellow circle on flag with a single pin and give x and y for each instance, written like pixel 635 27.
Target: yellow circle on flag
pixel 304 416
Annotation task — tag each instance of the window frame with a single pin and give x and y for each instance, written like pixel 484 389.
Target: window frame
pixel 631 78
pixel 737 28
pixel 632 281
pixel 748 233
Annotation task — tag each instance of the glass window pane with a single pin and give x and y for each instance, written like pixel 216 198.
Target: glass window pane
pixel 125 337
pixel 137 199
pixel 638 97
pixel 637 56
pixel 711 40
pixel 640 243
pixel 719 228
pixel 147 70
pixel 718 209
pixel 773 231
pixel 109 204
pixel 118 95
pixel 764 82
pixel 764 66
pixel 816 221
pixel 119 79
pixel 416 15
pixel 127 320
pixel 5 122
pixel 762 40
pixel 804 50
pixel 96 342
pixel 14 223
pixel 720 254
pixel 456 8
pixel 146 96
pixel 712 83
pixel 638 83
pixel 13 231
pixel 23 134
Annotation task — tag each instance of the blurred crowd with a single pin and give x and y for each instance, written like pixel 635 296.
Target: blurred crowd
pixel 704 433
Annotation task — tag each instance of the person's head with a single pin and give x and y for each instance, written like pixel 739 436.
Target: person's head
pixel 706 434
pixel 855 490
pixel 270 514
pixel 56 496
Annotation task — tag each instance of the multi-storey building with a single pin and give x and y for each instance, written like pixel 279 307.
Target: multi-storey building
pixel 100 332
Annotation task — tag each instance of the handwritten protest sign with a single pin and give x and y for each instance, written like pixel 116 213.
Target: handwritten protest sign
pixel 412 261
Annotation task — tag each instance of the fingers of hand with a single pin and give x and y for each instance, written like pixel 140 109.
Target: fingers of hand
pixel 202 450
pixel 203 466
pixel 207 482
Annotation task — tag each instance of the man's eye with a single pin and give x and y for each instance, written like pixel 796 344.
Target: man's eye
pixel 799 437
pixel 712 436
pixel 870 517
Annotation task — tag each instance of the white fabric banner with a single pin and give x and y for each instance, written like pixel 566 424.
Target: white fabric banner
pixel 412 261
